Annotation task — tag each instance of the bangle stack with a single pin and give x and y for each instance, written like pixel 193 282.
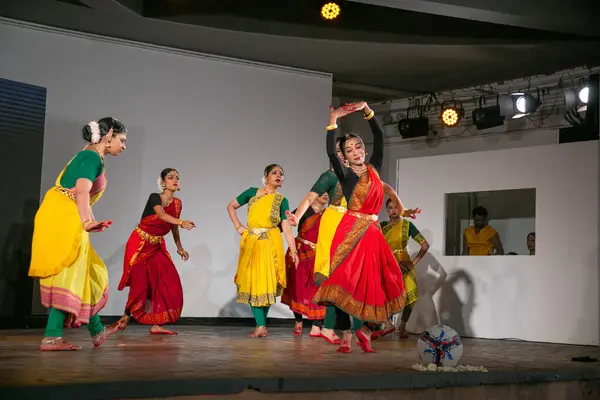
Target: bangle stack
pixel 331 127
pixel 370 115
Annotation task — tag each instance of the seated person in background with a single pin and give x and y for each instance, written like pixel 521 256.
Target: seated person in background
pixel 481 239
pixel 531 243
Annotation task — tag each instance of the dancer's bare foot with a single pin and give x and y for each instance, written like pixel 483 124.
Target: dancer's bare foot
pixel 330 336
pixel 346 344
pixel 315 331
pixel 57 344
pixel 260 331
pixel 363 340
pixel 297 329
pixel 98 339
pixel 121 324
pixel 159 330
pixel 402 331
pixel 387 328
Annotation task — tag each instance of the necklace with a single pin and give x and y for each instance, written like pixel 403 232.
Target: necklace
pixel 165 202
pixel 359 170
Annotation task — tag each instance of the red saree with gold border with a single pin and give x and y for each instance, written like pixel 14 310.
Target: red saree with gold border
pixel 301 286
pixel 365 280
pixel 155 292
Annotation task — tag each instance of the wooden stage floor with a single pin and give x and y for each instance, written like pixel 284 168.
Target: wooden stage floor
pixel 222 360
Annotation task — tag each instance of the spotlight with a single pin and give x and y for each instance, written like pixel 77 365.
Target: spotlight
pixel 584 94
pixel 413 127
pixel 452 113
pixel 487 117
pixel 330 11
pixel 518 105
pixel 577 99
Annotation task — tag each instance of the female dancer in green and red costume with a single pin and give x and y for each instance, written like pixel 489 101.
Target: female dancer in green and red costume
pixel 364 280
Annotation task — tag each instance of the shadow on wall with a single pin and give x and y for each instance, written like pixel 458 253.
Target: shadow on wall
pixel 16 288
pixel 453 311
pixel 431 275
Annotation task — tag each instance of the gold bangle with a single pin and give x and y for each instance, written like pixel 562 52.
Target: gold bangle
pixel 238 227
pixel 86 223
pixel 331 127
pixel 181 253
pixel 371 114
pixel 180 222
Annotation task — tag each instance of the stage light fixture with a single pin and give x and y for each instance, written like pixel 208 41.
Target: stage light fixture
pixel 518 105
pixel 452 113
pixel 330 11
pixel 487 117
pixel 577 99
pixel 584 94
pixel 413 127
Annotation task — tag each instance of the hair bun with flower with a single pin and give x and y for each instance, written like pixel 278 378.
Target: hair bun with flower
pixel 161 187
pixel 95 129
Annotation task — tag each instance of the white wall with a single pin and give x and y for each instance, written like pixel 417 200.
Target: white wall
pixel 219 122
pixel 549 297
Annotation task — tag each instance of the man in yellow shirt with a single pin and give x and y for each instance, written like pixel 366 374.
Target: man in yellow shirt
pixel 481 239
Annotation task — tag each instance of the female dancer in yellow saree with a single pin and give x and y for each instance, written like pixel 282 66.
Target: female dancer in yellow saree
pixel 397 232
pixel 261 272
pixel 73 278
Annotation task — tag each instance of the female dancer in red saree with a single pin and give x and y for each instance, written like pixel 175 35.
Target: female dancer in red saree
pixel 301 286
pixel 155 293
pixel 365 280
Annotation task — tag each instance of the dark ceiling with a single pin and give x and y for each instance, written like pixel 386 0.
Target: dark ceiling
pixel 376 49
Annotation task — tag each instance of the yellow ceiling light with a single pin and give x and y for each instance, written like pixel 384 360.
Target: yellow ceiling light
pixel 330 11
pixel 450 117
pixel 452 113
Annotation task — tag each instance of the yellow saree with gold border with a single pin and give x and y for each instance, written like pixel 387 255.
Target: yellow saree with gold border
pixel 261 271
pixel 73 278
pixel 397 235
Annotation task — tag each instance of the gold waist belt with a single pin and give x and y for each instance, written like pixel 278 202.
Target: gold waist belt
pixel 148 237
pixel 306 242
pixel 260 232
pixel 360 215
pixel 403 251
pixel 66 192
pixel 338 208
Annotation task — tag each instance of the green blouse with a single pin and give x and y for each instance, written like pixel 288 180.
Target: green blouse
pixel 248 194
pixel 327 182
pixel 87 164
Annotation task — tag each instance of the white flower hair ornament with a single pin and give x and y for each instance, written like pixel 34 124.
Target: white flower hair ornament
pixel 161 186
pixel 95 129
pixel 264 181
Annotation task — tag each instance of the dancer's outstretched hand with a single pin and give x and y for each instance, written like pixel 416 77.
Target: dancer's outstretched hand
pixel 291 218
pixel 411 212
pixel 188 225
pixel 97 226
pixel 184 255
pixel 359 105
pixel 340 112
